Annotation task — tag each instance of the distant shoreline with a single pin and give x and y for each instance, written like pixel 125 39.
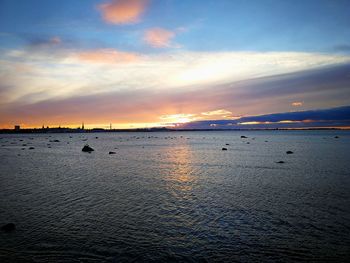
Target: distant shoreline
pixel 97 130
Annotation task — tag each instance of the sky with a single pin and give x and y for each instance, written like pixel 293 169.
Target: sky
pixel 148 63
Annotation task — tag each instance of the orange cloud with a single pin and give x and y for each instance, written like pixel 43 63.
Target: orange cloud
pixel 159 37
pixel 297 104
pixel 123 11
pixel 109 56
pixel 217 112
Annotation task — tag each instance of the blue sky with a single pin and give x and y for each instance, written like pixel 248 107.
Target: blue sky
pixel 212 25
pixel 61 51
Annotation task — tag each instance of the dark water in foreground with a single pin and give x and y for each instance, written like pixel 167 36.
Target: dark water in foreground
pixel 176 196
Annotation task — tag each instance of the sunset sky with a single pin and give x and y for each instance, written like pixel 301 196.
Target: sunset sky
pixel 139 63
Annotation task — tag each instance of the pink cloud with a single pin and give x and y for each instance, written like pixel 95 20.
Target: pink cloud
pixel 109 56
pixel 159 37
pixel 123 11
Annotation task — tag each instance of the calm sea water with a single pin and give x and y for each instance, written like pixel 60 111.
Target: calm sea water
pixel 176 196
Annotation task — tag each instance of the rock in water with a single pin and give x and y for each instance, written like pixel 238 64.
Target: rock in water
pixel 8 227
pixel 87 148
pixel 224 149
pixel 289 152
pixel 280 162
pixel 112 153
pixel 244 137
pixel 336 137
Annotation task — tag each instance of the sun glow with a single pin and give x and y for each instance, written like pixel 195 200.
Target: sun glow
pixel 178 118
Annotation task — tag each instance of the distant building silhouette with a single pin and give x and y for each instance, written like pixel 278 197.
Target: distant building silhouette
pixel 82 126
pixel 17 127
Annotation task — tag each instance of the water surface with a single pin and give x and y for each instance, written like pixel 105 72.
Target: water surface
pixel 176 196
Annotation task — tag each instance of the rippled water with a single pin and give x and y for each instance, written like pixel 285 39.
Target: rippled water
pixel 176 196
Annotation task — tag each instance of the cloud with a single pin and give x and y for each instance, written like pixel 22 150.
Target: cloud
pixel 123 11
pixel 147 105
pixel 342 48
pixel 332 117
pixel 74 69
pixel 331 114
pixel 159 38
pixel 49 85
pixel 55 40
pixel 190 117
pixel 44 42
pixel 109 56
pixel 297 104
pixel 217 112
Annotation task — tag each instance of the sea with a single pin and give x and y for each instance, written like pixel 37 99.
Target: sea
pixel 176 196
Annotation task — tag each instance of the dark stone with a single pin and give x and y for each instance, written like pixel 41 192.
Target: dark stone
pixel 8 227
pixel 248 142
pixel 336 137
pixel 87 148
pixel 96 137
pixel 112 153
pixel 31 148
pixel 280 162
pixel 244 137
pixel 227 144
pixel 224 149
pixel 289 152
